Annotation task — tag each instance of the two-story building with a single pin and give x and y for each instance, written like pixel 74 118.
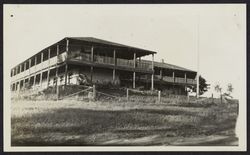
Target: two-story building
pixel 81 60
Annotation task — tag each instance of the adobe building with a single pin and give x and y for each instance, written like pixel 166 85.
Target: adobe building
pixel 86 60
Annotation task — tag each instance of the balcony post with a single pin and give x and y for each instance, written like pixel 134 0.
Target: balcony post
pixel 185 76
pixel 35 62
pixel 161 74
pixel 57 67
pixel 92 60
pixel 41 77
pixel 29 65
pixel 114 59
pixel 48 77
pixel 173 76
pixel 20 68
pixel 67 47
pixel 24 66
pixel 49 57
pixel 49 67
pixel 66 65
pixel 34 82
pixel 41 57
pixel 134 70
pixel 152 77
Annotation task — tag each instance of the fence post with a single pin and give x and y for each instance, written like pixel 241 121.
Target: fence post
pixel 94 92
pixel 159 96
pixel 127 94
pixel 188 96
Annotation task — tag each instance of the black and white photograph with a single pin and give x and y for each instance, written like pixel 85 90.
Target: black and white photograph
pixel 124 77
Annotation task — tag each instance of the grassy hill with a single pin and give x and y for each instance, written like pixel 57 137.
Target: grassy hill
pixel 139 121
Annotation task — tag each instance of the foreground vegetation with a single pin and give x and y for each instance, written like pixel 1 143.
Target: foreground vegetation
pixel 140 121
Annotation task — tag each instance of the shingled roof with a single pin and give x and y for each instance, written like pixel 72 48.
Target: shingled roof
pixel 109 43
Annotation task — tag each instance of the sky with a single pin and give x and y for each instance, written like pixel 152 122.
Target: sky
pixel 176 32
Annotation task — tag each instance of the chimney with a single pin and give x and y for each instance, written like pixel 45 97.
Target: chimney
pixel 162 60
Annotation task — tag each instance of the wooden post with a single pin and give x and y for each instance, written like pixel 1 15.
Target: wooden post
pixel 41 57
pixel 161 74
pixel 159 96
pixel 133 80
pixel 29 65
pixel 127 94
pixel 48 77
pixel 67 46
pixel 66 74
pixel 134 60
pixel 34 82
pixel 114 59
pixel 57 86
pixel 113 75
pixel 134 71
pixel 48 74
pixel 49 56
pixel 57 78
pixel 185 76
pixel 94 92
pixel 92 53
pixel 92 60
pixel 20 68
pixel 66 65
pixel 35 62
pixel 17 86
pixel 24 66
pixel 152 77
pixel 173 76
pixel 41 77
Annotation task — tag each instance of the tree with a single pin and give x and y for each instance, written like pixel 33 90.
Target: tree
pixel 218 89
pixel 203 86
pixel 229 90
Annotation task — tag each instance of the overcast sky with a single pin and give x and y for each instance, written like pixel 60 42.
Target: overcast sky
pixel 171 30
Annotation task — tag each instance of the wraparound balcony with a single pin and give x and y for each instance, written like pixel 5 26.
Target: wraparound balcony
pixel 103 60
pixel 177 80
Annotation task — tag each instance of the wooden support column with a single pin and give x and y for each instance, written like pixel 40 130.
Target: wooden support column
pixel 134 71
pixel 29 65
pixel 41 78
pixel 114 59
pixel 17 85
pixel 48 73
pixel 35 62
pixel 152 77
pixel 24 66
pixel 185 76
pixel 57 87
pixel 34 82
pixel 57 78
pixel 92 60
pixel 66 74
pixel 49 67
pixel 161 74
pixel 41 57
pixel 20 68
pixel 173 76
pixel 66 65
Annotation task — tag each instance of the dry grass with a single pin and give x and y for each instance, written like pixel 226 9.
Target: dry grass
pixel 141 121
